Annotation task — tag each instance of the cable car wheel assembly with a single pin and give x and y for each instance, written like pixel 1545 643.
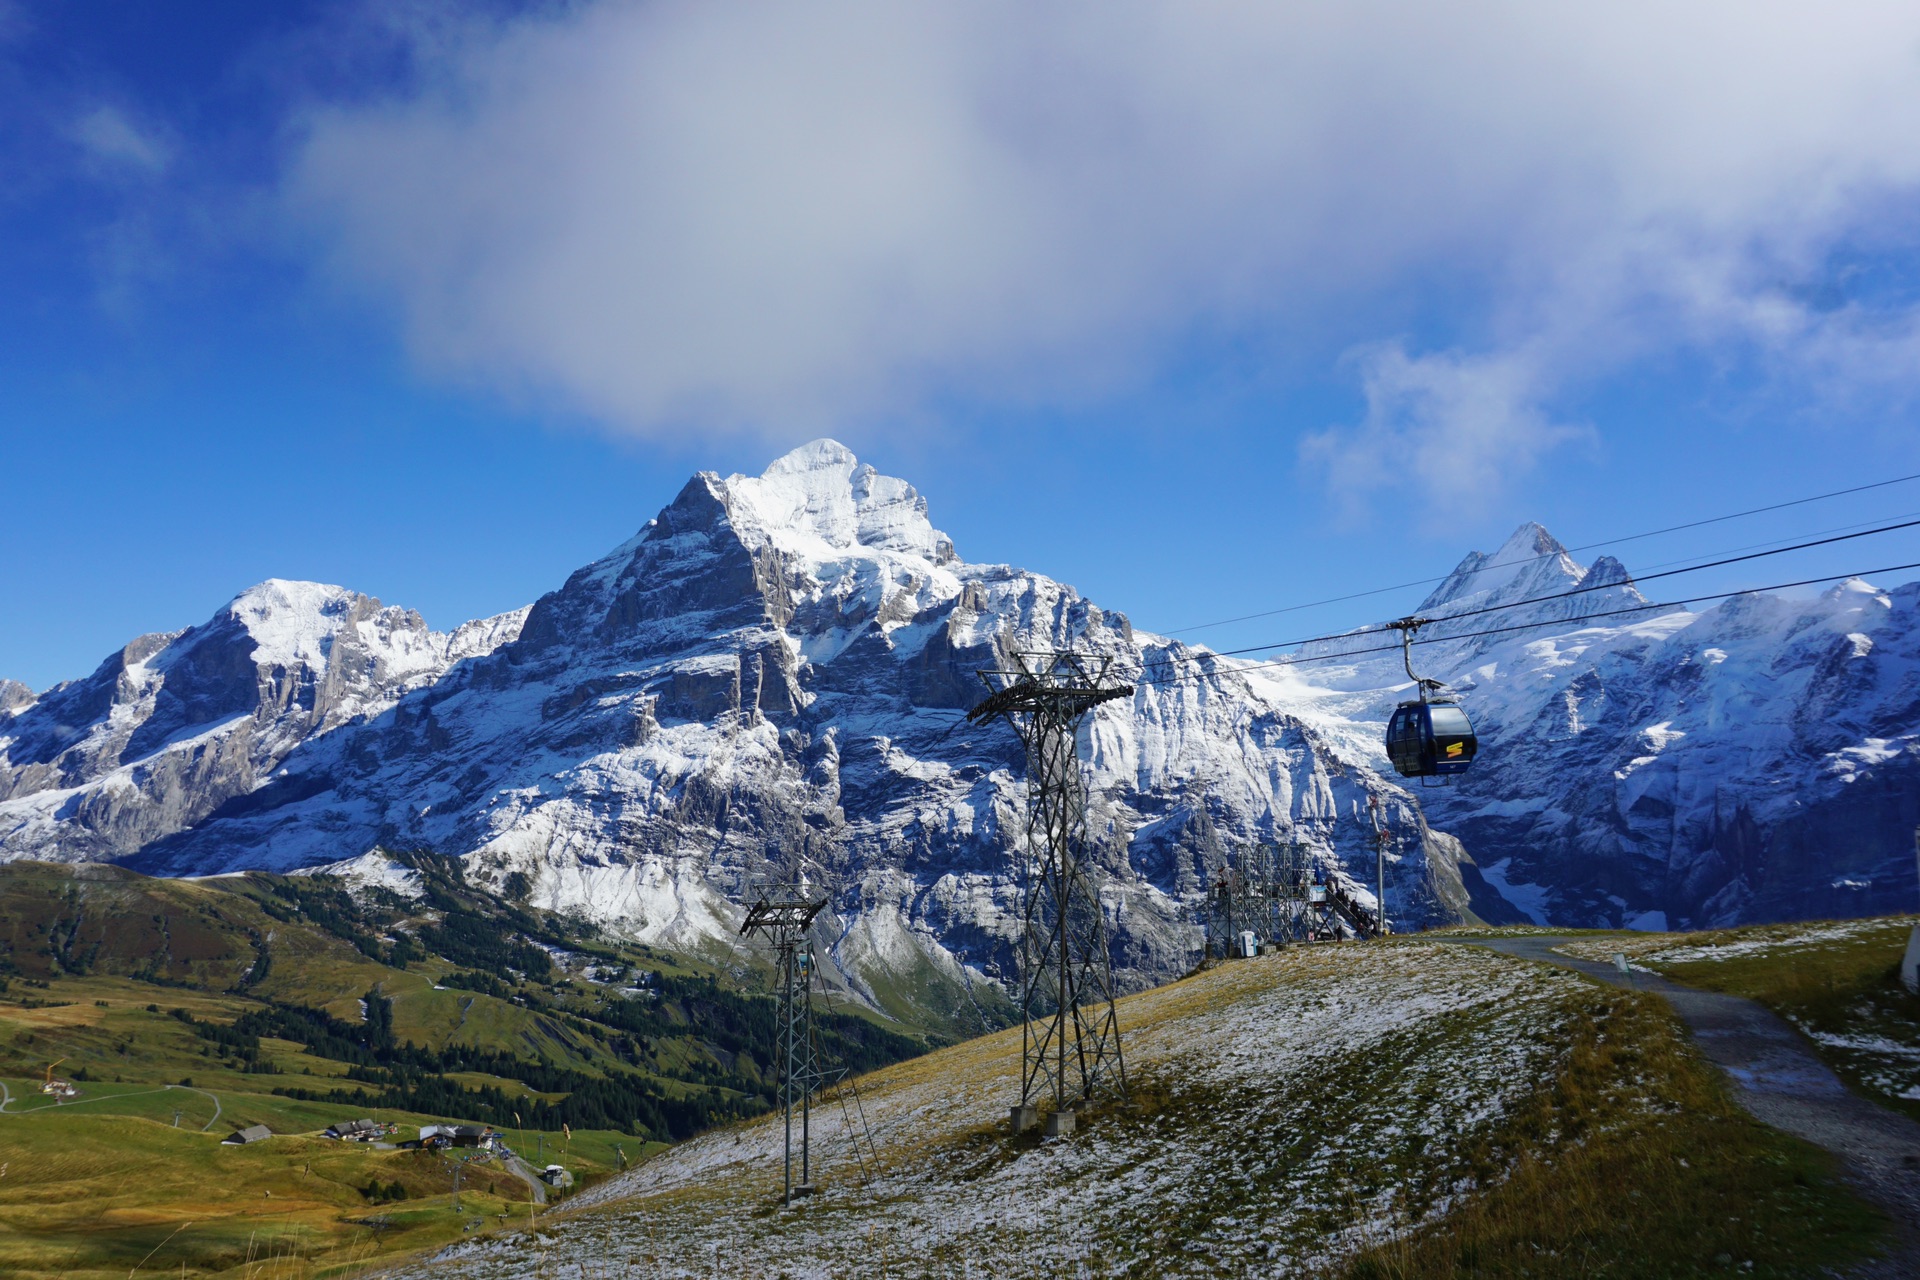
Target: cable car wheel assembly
pixel 1429 736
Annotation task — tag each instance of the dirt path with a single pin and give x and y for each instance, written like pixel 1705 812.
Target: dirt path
pixel 522 1170
pixel 1782 1083
pixel 203 1093
pixel 7 1101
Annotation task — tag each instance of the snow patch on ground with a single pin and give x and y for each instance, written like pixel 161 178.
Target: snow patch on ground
pixel 1297 1086
pixel 1788 938
pixel 373 870
pixel 1753 941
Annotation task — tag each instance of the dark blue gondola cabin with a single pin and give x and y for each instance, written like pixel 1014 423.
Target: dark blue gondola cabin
pixel 1430 740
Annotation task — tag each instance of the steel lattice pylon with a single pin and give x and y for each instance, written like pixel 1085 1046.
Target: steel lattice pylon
pixel 1070 1042
pixel 783 916
pixel 1247 895
pixel 1300 910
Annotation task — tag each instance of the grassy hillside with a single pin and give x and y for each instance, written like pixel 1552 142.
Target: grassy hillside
pixel 1398 1109
pixel 1383 1110
pixel 290 1003
pixel 1837 981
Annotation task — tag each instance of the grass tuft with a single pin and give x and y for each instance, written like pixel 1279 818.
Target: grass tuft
pixel 1636 1161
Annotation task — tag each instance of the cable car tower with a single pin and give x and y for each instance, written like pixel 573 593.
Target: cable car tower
pixel 1380 927
pixel 1225 911
pixel 1070 1041
pixel 1244 899
pixel 783 916
pixel 1430 736
pixel 1307 905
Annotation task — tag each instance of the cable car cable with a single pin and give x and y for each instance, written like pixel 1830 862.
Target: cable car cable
pixel 1772 542
pixel 1431 737
pixel 1585 546
pixel 1575 591
pixel 1711 564
pixel 1681 602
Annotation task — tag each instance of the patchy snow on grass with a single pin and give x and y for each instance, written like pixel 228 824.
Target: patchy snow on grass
pixel 1286 1111
pixel 1884 1055
pixel 1872 1038
pixel 1726 945
pixel 1865 1044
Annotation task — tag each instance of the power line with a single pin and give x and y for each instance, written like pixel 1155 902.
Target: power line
pixel 1575 591
pixel 1753 511
pixel 1585 546
pixel 1694 568
pixel 1294 661
pixel 1529 626
pixel 1774 542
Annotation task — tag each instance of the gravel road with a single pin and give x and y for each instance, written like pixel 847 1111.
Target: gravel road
pixel 1781 1082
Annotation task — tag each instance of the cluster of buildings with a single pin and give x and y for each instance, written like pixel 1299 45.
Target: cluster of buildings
pixel 486 1140
pixel 360 1130
pixel 433 1137
pixel 438 1137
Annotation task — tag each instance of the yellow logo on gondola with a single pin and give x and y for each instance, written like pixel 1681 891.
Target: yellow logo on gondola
pixel 1455 748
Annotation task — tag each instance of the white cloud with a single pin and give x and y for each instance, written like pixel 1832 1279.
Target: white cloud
pixel 109 137
pixel 785 215
pixel 1452 424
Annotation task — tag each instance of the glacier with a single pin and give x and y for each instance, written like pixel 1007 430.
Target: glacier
pixel 1753 761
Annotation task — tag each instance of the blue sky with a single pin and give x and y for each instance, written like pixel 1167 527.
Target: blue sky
pixel 1206 309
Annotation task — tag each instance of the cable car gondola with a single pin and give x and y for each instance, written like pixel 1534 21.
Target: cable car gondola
pixel 1429 737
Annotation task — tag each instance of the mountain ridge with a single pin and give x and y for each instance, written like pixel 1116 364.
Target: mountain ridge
pixel 176 723
pixel 769 678
pixel 1662 767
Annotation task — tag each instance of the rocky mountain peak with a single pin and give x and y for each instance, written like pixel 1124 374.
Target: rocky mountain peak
pixel 177 723
pixel 14 694
pixel 295 623
pixel 1531 562
pixel 820 502
pixel 1605 572
pixel 1530 581
pixel 1857 592
pixel 331 631
pixel 771 674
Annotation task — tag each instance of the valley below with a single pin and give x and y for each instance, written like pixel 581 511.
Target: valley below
pixel 1408 1106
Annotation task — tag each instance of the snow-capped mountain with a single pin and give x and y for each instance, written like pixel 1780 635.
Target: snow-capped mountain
pixel 770 676
pixel 176 724
pixel 1756 760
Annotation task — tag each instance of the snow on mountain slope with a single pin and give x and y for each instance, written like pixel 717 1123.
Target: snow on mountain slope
pixel 772 676
pixel 175 724
pixel 1756 760
pixel 14 695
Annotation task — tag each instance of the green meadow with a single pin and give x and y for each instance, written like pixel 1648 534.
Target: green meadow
pixel 185 1010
